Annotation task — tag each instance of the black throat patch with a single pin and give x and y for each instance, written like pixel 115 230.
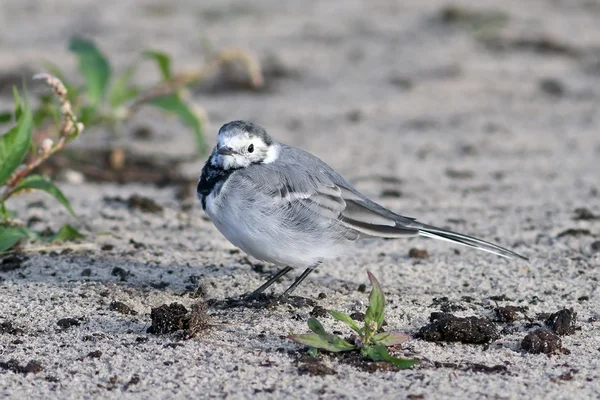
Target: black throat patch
pixel 211 177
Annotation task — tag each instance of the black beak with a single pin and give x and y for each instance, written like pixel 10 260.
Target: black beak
pixel 225 151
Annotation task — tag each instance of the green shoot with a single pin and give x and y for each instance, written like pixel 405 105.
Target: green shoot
pixel 367 339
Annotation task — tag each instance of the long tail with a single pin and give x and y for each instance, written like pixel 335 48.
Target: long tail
pixel 442 234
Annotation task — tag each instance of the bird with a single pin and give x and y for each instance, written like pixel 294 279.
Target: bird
pixel 285 206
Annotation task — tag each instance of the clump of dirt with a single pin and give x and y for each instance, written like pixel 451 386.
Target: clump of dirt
pixel 123 274
pixel 137 202
pixel 508 314
pixel 459 174
pixel 575 232
pixel 449 328
pixel 542 341
pixel 122 308
pixel 357 360
pixel 418 253
pixel 552 87
pixel 393 193
pixel 175 317
pixel 562 322
pixel 8 327
pixel 479 368
pixel 32 367
pixel 584 214
pixel 262 300
pixel 446 305
pixel 66 323
pixel 312 366
pixel 12 262
pixel 538 44
pixel 358 316
pixel 319 311
pixel 95 354
pixel 168 319
pixel 198 320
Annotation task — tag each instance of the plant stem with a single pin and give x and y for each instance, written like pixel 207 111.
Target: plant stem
pixel 69 130
pixel 180 81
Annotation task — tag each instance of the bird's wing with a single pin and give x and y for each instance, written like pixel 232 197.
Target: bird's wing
pixel 340 203
pixel 323 191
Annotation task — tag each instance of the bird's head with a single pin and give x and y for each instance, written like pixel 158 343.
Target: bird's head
pixel 241 144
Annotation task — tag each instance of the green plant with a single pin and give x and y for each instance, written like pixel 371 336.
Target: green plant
pixel 16 145
pixel 367 339
pixel 109 100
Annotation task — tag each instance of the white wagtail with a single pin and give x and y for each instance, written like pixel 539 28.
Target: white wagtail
pixel 285 206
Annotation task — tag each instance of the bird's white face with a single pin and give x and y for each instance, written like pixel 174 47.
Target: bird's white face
pixel 239 149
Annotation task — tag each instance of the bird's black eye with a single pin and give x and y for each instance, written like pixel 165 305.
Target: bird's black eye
pixel 251 148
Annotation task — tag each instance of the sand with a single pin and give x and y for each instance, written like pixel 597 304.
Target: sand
pixel 487 125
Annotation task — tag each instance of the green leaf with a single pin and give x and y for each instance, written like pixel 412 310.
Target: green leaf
pixel 87 115
pixel 5 116
pixel 163 61
pixel 380 353
pixel 18 106
pixel 316 326
pixel 93 67
pixel 11 235
pixel 325 342
pixel 173 103
pixel 14 144
pixel 313 352
pixel 41 183
pixel 376 307
pixel 390 338
pixel 66 233
pixel 121 91
pixel 345 318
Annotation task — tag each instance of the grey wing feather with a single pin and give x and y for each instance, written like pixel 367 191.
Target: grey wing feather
pixel 324 192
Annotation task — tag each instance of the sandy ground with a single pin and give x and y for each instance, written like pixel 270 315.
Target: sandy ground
pixel 489 130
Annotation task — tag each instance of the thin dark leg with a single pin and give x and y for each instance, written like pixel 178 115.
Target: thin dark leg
pixel 298 281
pixel 271 281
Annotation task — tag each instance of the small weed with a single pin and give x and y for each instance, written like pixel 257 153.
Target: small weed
pixel 366 339
pixel 15 178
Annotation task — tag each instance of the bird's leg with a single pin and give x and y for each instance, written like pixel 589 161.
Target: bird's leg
pixel 298 281
pixel 271 281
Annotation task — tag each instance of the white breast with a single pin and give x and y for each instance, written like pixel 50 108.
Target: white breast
pixel 263 234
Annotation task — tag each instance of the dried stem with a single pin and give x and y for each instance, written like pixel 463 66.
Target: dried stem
pixel 69 130
pixel 223 58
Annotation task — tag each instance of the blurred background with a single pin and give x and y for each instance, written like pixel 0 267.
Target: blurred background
pixel 454 89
